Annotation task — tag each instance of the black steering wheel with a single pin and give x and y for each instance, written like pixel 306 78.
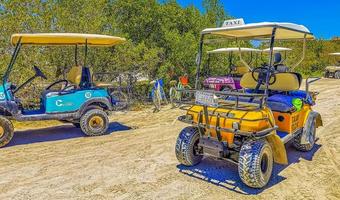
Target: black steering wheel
pixel 262 75
pixel 39 73
pixel 58 82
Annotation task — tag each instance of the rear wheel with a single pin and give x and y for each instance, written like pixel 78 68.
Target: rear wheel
pixel 120 100
pixel 255 163
pixel 94 122
pixel 6 131
pixel 337 75
pixel 311 130
pixel 187 146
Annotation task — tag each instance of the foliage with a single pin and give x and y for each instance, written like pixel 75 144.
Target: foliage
pixel 162 38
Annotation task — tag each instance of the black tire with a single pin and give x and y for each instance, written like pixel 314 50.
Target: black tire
pixel 326 74
pixel 255 163
pixel 337 75
pixel 120 99
pixel 94 122
pixel 311 139
pixel 186 146
pixel 6 131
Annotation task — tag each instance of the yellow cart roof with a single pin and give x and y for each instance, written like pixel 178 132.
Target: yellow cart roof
pixel 66 39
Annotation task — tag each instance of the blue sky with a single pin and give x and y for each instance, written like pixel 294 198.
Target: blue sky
pixel 321 17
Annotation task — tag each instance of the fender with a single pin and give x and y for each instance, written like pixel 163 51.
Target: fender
pixel 278 147
pixel 312 115
pixel 100 100
pixel 319 121
pixel 8 108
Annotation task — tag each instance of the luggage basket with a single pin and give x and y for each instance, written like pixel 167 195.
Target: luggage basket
pixel 224 100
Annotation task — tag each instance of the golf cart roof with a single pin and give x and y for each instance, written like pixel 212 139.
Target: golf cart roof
pixel 277 49
pixel 262 30
pixel 65 39
pixel 335 54
pixel 234 49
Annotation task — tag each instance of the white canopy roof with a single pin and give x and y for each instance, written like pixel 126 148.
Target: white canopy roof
pixel 335 54
pixel 277 49
pixel 262 30
pixel 234 49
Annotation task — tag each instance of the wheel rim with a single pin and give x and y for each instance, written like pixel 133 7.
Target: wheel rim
pixel 2 132
pixel 195 147
pixel 96 122
pixel 264 163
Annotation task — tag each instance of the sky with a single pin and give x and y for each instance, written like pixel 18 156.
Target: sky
pixel 321 17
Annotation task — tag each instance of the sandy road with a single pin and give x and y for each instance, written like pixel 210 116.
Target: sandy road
pixel 137 161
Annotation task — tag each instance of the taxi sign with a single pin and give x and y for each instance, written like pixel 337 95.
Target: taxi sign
pixel 233 22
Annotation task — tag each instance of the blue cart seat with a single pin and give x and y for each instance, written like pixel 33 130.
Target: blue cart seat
pixel 281 103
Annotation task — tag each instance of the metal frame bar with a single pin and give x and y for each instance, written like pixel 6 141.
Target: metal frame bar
pixel 257 134
pixel 86 49
pixel 271 51
pixel 199 61
pixel 10 66
pixel 76 55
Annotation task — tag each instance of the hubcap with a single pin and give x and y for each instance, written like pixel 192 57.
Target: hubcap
pixel 96 122
pixel 264 163
pixel 2 132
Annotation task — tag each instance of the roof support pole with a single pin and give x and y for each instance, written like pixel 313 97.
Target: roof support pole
pixel 199 61
pixel 76 55
pixel 85 53
pixel 10 65
pixel 271 52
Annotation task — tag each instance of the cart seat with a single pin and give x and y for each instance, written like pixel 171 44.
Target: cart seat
pixel 75 74
pixel 285 81
pixel 281 103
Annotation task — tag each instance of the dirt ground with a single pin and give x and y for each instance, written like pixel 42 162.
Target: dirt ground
pixel 137 161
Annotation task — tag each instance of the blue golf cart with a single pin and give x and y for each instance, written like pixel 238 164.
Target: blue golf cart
pixel 80 100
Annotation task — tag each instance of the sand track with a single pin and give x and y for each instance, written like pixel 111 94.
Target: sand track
pixel 137 161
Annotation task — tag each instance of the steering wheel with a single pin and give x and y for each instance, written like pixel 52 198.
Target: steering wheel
pixel 57 82
pixel 262 75
pixel 38 72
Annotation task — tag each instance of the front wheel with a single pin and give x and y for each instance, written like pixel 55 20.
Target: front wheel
pixel 94 122
pixel 187 146
pixel 326 74
pixel 255 163
pixel 306 146
pixel 6 131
